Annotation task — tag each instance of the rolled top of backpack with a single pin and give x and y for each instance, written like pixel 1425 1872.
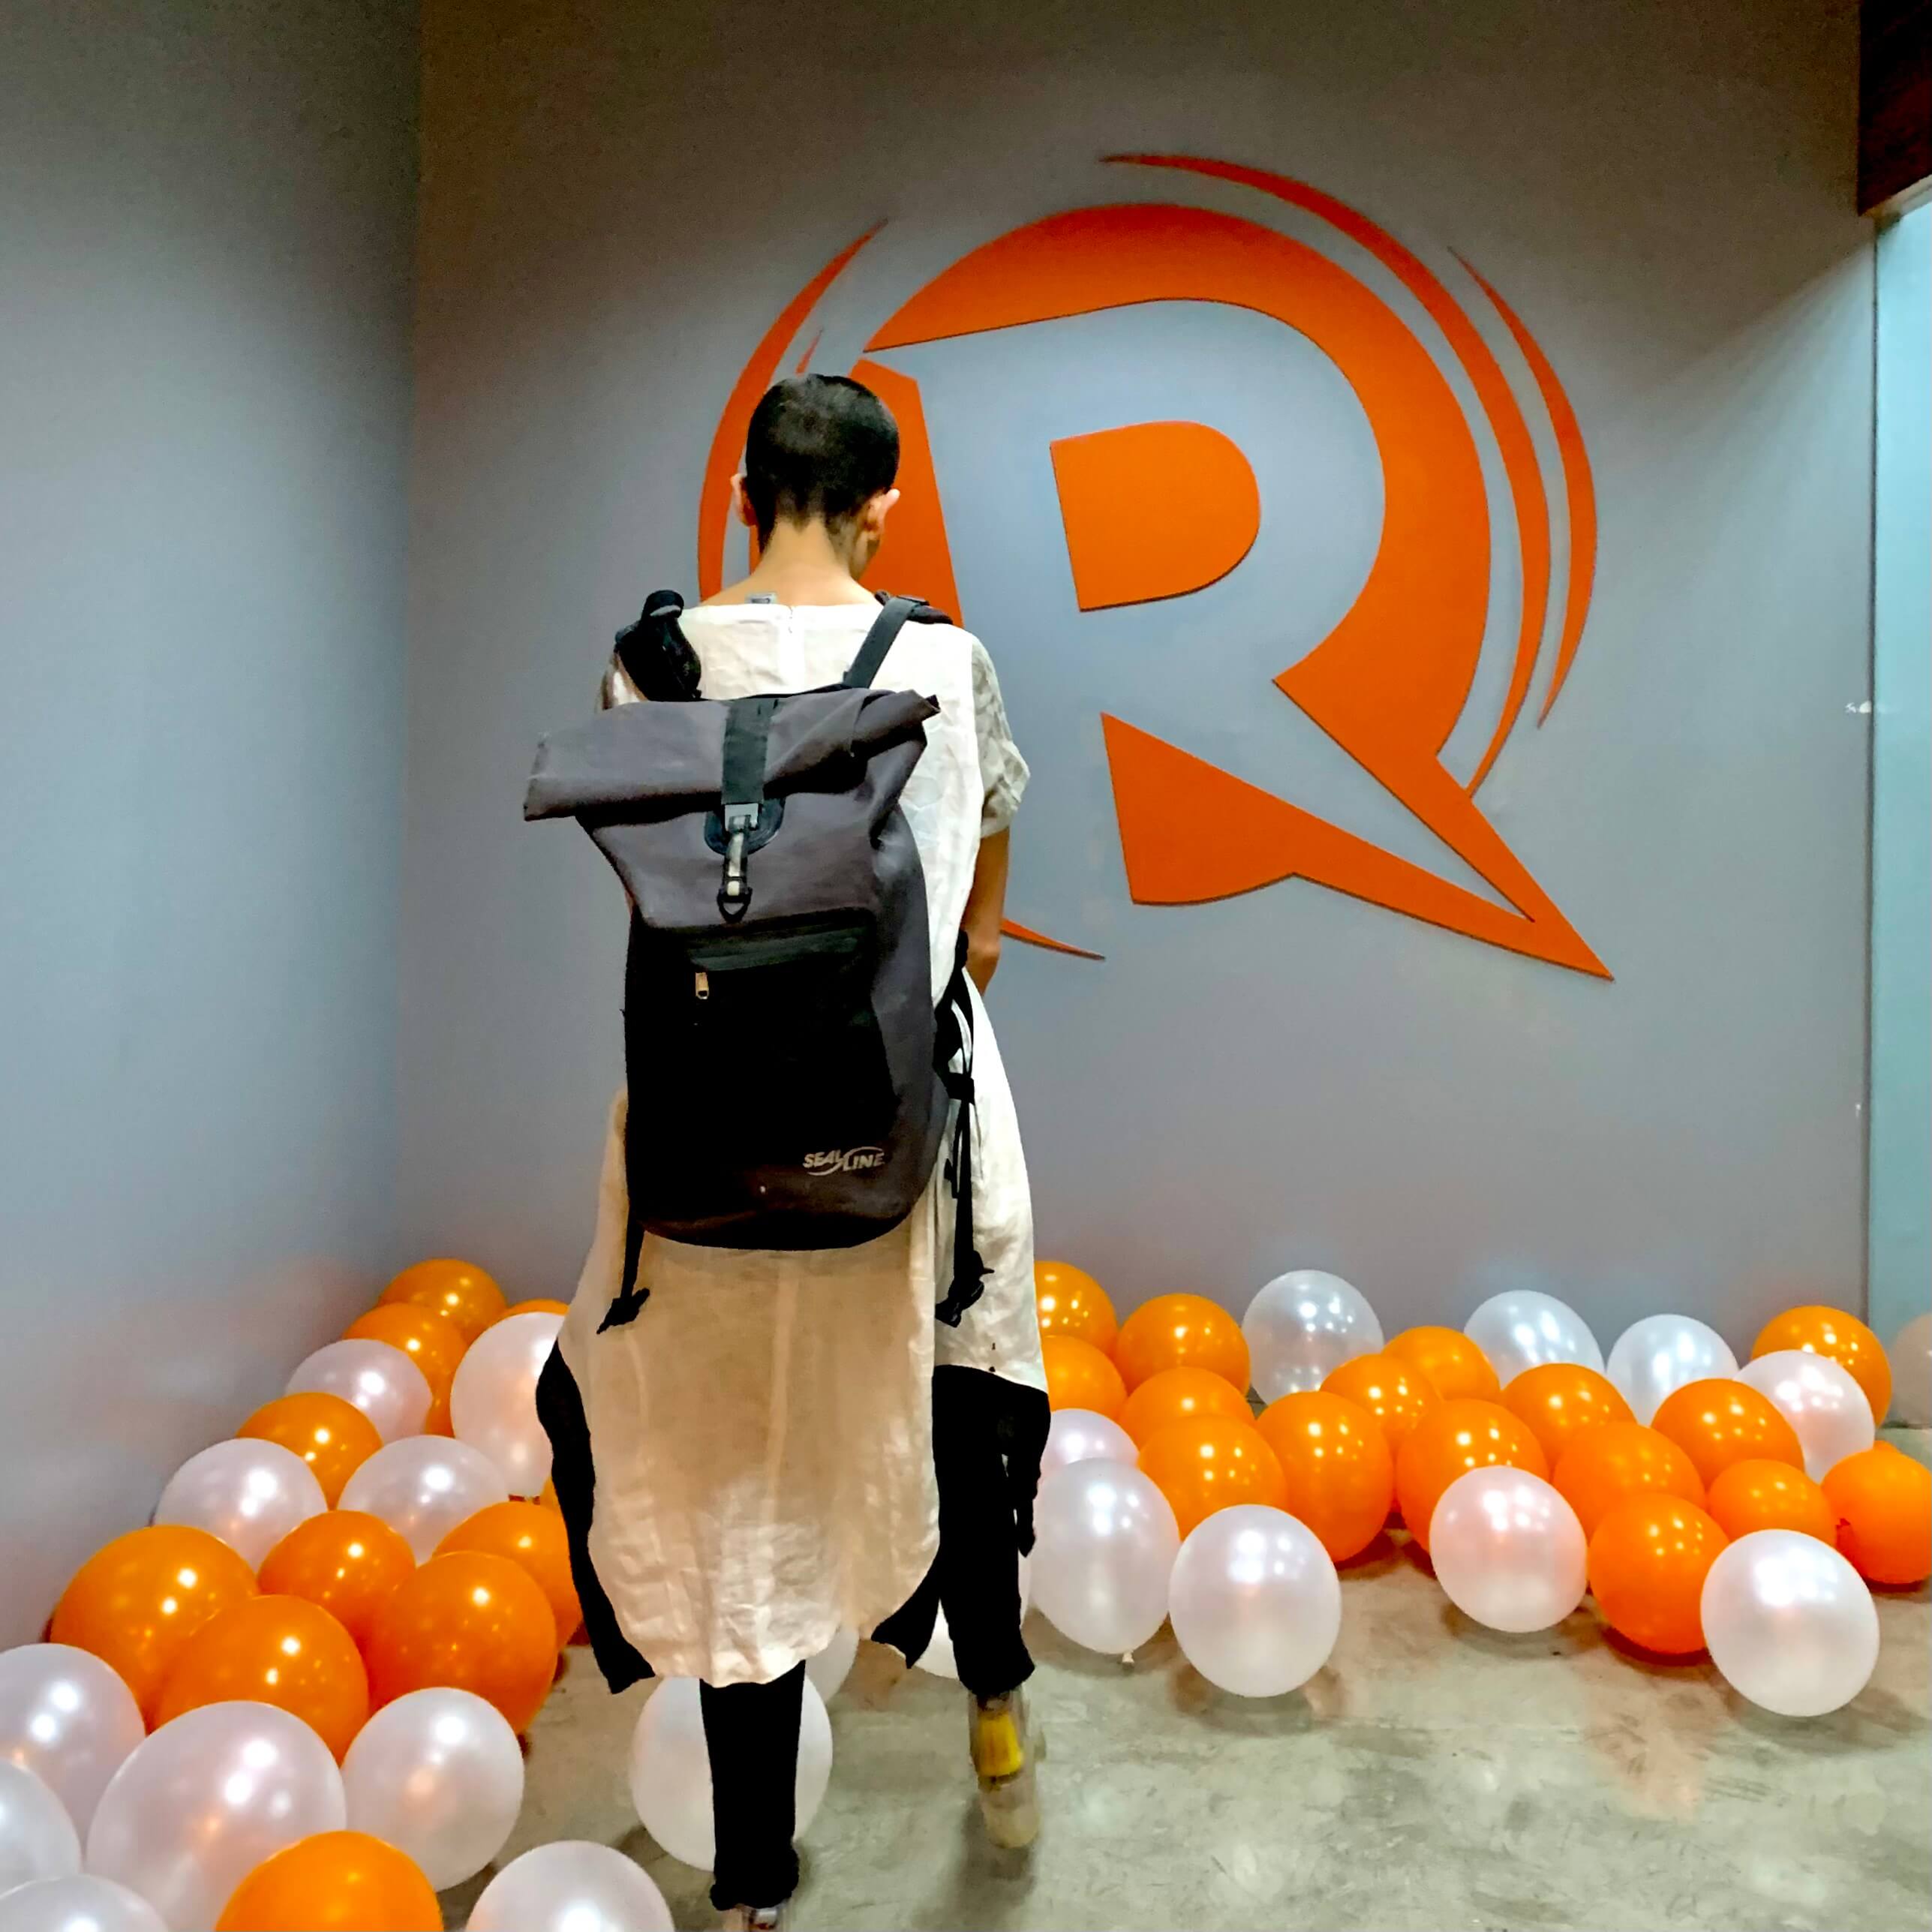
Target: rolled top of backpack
pixel 663 757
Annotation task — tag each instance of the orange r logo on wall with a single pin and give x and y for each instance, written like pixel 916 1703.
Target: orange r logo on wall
pixel 1161 509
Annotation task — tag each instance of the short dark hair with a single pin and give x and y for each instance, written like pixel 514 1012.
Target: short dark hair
pixel 819 446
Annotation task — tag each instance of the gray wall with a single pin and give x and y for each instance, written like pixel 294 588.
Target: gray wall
pixel 616 202
pixel 1901 989
pixel 206 223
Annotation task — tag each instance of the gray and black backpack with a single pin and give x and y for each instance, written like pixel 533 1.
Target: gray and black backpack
pixel 791 1080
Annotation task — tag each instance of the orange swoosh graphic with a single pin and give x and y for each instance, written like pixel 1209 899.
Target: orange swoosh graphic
pixel 1015 930
pixel 1492 389
pixel 1579 491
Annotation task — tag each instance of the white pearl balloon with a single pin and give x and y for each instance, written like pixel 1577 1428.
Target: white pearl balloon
pixel 1521 1329
pixel 1255 1603
pixel 1911 1358
pixel 423 1487
pixel 1653 1358
pixel 1080 1435
pixel 250 1493
pixel 82 1903
pixel 492 1399
pixel 833 1665
pixel 1790 1623
pixel 66 1716
pixel 1302 1327
pixel 381 1382
pixel 38 1839
pixel 1106 1542
pixel 671 1769
pixel 937 1657
pixel 439 1774
pixel 209 1796
pixel 1508 1550
pixel 571 1885
pixel 1820 1400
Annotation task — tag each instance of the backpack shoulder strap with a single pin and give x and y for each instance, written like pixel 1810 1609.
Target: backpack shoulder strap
pixel 887 626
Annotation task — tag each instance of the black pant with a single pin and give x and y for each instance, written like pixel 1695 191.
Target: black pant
pixel 751 1735
pixel 751 1730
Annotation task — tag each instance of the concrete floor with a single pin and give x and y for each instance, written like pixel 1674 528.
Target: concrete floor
pixel 1435 1774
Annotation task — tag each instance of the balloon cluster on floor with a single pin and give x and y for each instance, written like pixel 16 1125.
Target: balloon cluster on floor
pixel 1703 1506
pixel 294 1700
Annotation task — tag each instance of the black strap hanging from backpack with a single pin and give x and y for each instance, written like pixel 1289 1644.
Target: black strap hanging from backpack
pixel 955 1042
pixel 954 1038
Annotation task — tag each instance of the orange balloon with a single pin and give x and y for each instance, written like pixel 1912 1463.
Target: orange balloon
pixel 432 1341
pixel 1648 1559
pixel 472 1621
pixel 1335 1458
pixel 334 1437
pixel 1456 1368
pixel 281 1651
pixel 334 1881
pixel 1071 1302
pixel 1448 1442
pixel 1079 1377
pixel 135 1603
pixel 1397 1394
pixel 1606 1466
pixel 536 1305
pixel 1763 1495
pixel 1559 1400
pixel 1209 1462
pixel 533 1539
pixel 1176 1395
pixel 1830 1331
pixel 346 1562
pixel 1883 1499
pixel 458 1289
pixel 1182 1332
pixel 1718 1422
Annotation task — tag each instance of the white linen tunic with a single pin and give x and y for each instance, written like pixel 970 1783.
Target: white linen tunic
pixel 762 1431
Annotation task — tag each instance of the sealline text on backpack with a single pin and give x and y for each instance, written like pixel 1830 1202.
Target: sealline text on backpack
pixel 792 1077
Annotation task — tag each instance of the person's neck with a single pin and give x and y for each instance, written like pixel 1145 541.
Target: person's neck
pixel 801 564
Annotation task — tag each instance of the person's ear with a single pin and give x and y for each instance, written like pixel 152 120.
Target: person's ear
pixel 874 513
pixel 741 501
pixel 868 530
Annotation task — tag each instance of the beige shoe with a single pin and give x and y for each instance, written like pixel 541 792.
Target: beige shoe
pixel 756 1918
pixel 1004 1757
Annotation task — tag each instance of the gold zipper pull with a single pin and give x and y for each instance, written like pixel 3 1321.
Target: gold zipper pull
pixel 703 987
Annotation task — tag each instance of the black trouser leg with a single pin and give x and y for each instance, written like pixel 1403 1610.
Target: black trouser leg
pixel 978 1565
pixel 751 1735
pixel 976 1574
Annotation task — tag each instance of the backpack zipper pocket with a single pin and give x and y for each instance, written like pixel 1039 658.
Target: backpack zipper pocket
pixel 814 937
pixel 770 1043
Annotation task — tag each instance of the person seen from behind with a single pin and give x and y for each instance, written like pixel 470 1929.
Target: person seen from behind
pixel 771 1447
